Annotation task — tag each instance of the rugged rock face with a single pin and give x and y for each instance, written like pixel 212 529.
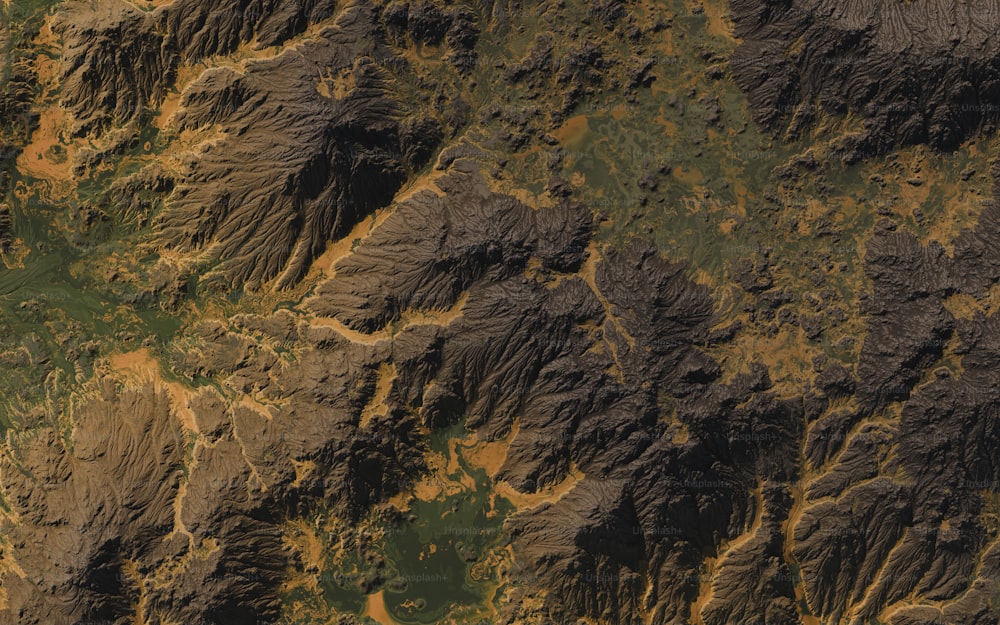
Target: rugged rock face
pixel 83 512
pixel 118 59
pixel 569 357
pixel 671 485
pixel 442 246
pixel 584 399
pixel 915 72
pixel 150 541
pixel 315 163
pixel 922 481
pixel 323 137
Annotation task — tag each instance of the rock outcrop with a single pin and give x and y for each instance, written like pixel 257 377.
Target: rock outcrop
pixel 914 72
pixel 669 483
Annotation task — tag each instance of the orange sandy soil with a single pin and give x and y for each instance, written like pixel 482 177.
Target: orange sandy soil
pixel 140 367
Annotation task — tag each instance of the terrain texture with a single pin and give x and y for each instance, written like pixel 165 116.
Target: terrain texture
pixel 428 311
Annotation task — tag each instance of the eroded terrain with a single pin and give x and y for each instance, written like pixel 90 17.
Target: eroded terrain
pixel 404 312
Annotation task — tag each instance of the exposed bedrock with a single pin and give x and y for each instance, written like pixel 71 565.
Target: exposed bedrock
pixel 576 367
pixel 870 494
pixel 592 365
pixel 88 504
pixel 119 60
pixel 903 499
pixel 319 132
pixel 313 163
pixel 549 351
pixel 915 72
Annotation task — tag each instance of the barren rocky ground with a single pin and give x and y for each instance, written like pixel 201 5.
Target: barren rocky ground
pixel 482 311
